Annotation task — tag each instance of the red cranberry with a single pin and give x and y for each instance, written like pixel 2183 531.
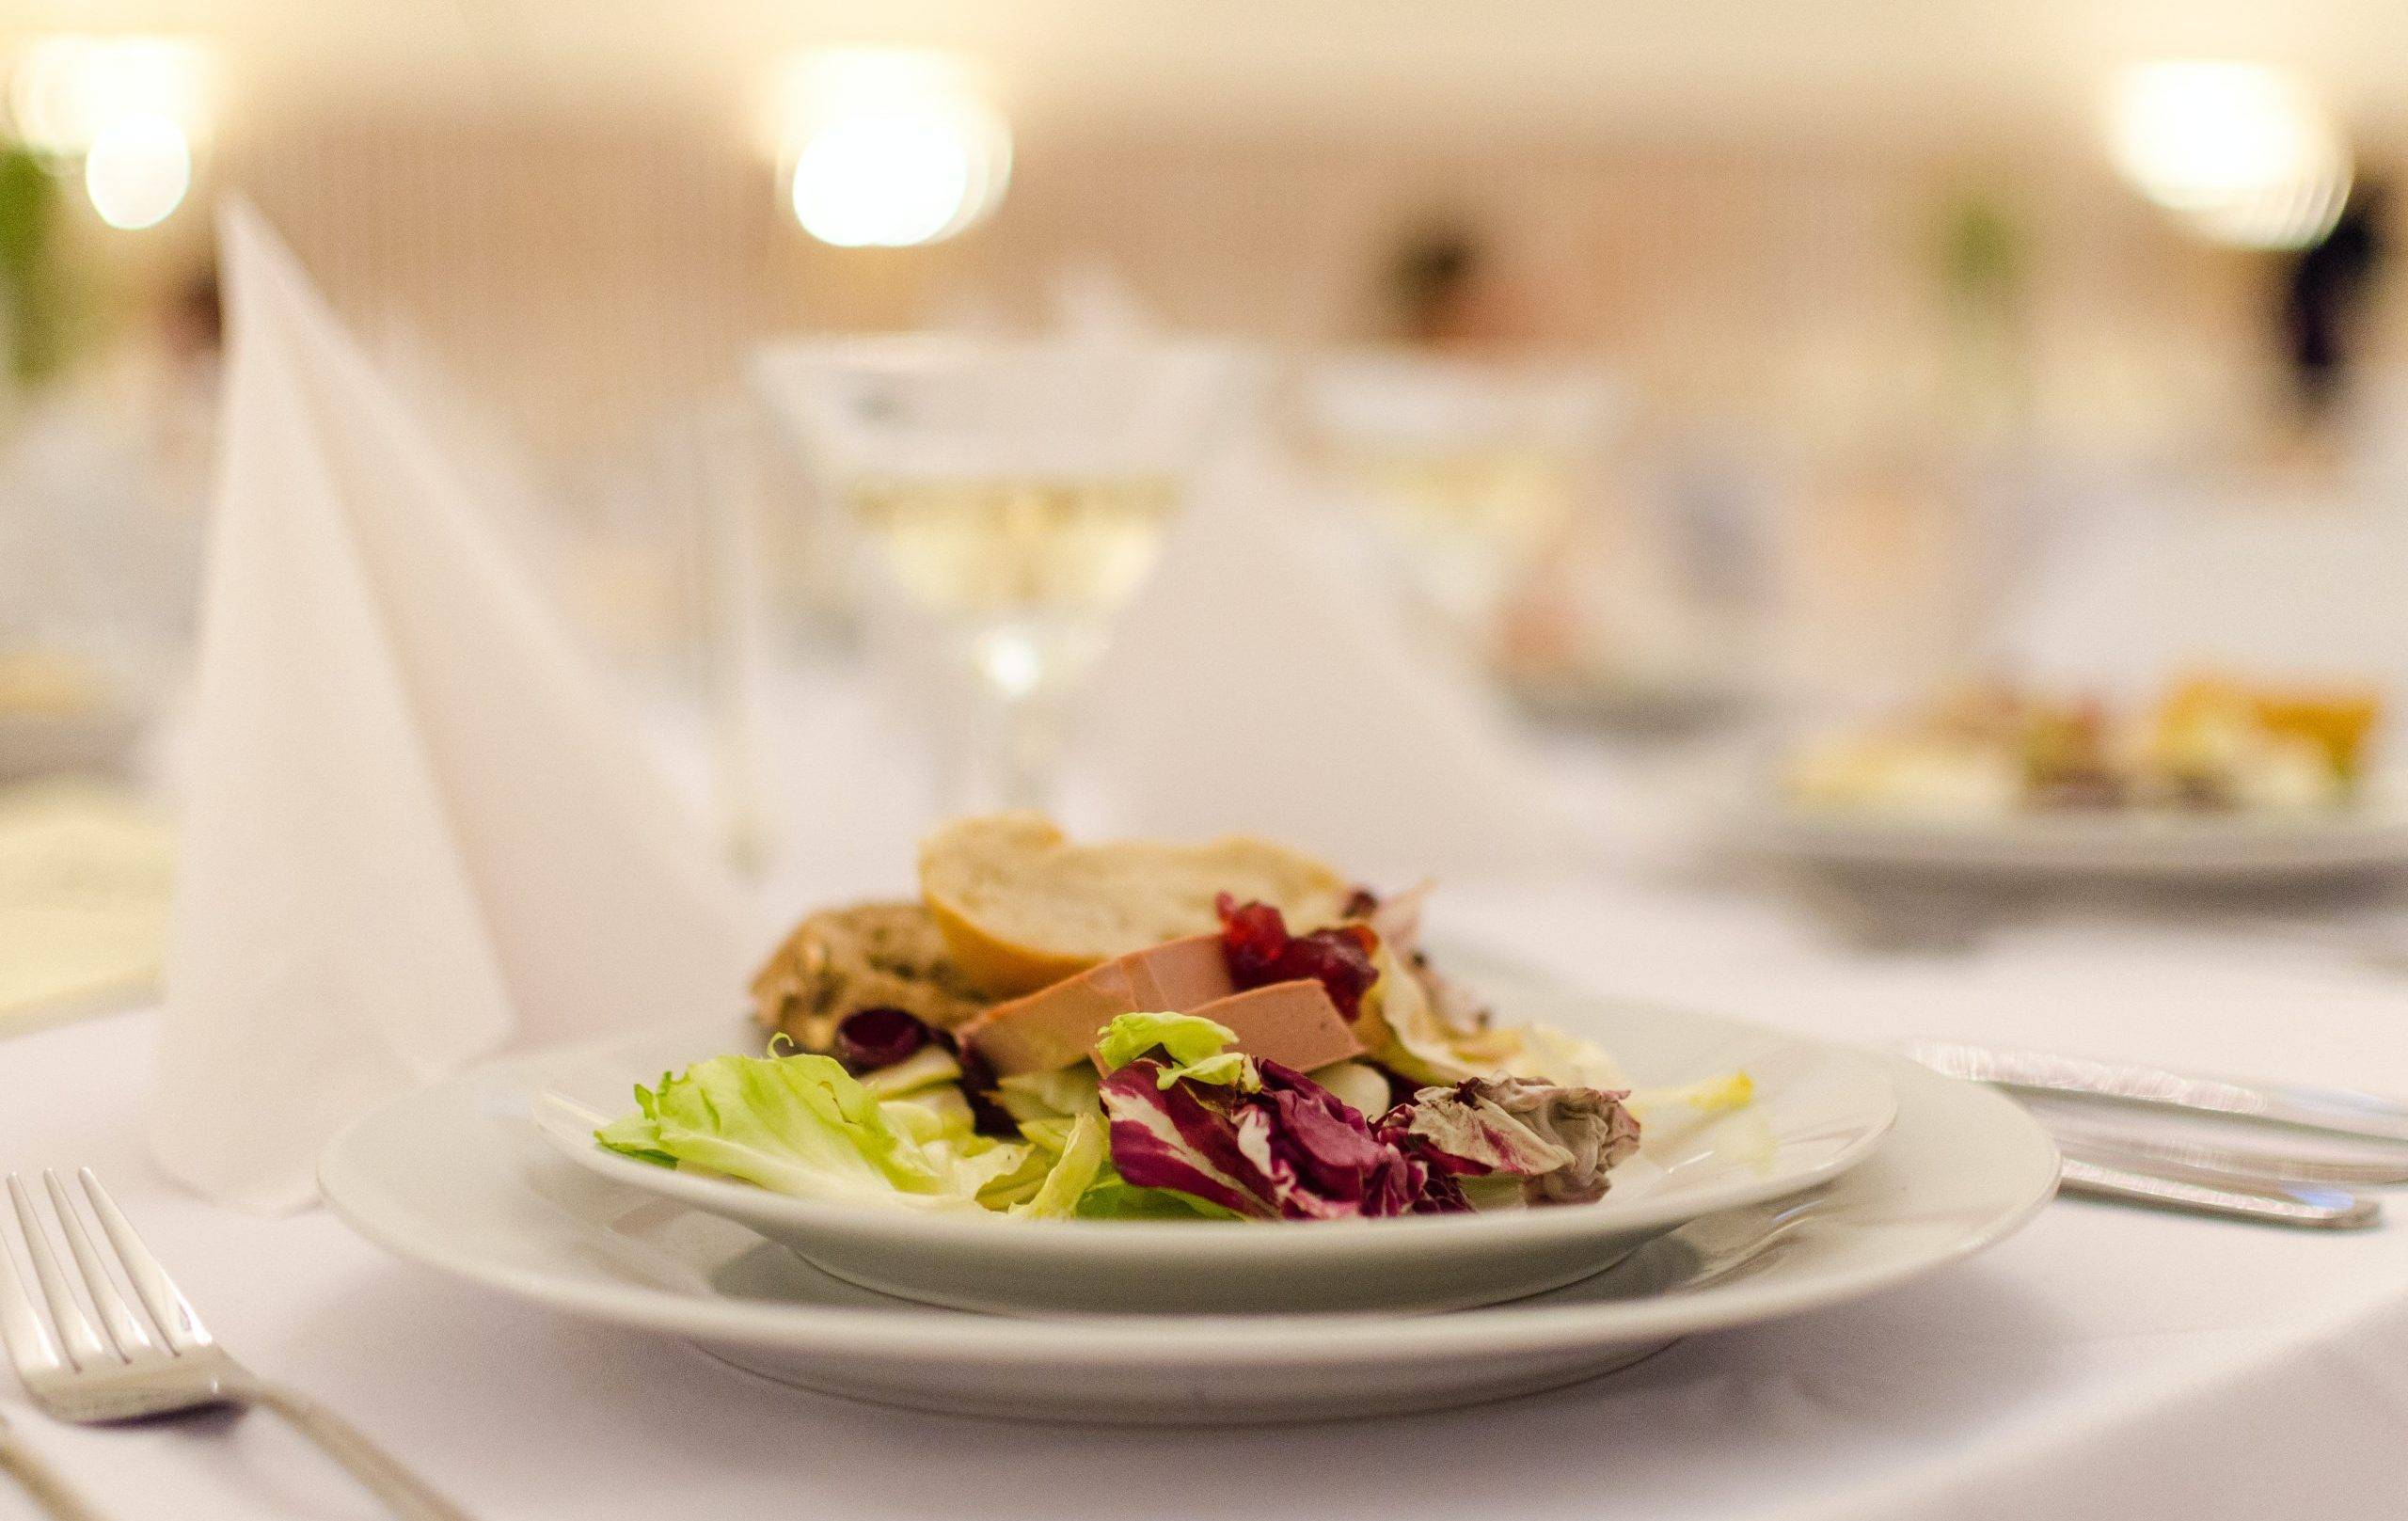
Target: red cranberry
pixel 869 1038
pixel 1259 950
pixel 988 1118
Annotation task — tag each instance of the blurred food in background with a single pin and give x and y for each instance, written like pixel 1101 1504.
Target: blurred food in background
pixel 85 874
pixel 2211 743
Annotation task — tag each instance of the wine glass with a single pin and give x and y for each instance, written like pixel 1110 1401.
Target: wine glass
pixel 1474 469
pixel 1019 492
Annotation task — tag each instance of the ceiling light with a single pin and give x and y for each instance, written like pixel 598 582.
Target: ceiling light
pixel 889 148
pixel 2245 153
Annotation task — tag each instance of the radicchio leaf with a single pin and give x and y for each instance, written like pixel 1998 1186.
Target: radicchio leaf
pixel 1259 950
pixel 1321 1156
pixel 1291 1151
pixel 1169 1137
pixel 1561 1141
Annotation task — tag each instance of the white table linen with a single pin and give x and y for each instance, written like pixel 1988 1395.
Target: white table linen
pixel 2106 1361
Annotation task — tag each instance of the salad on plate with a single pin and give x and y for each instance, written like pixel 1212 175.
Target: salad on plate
pixel 1141 1030
pixel 2210 745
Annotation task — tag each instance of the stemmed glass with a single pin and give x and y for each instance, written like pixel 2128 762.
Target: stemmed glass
pixel 1017 492
pixel 1474 469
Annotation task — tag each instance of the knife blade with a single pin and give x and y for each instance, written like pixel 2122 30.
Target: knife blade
pixel 2333 1110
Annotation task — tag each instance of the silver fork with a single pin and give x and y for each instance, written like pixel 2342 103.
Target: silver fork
pixel 74 1376
pixel 31 1473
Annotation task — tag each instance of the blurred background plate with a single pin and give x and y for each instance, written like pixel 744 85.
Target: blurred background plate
pixel 2237 851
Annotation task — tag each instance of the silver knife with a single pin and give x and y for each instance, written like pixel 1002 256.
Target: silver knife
pixel 2335 1111
pixel 2147 1151
pixel 2309 1207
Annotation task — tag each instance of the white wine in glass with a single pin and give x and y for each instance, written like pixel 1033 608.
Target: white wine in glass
pixel 1019 494
pixel 1030 572
pixel 1006 547
pixel 1471 470
pixel 1471 523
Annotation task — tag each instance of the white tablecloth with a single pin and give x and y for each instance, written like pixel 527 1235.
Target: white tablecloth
pixel 2106 1362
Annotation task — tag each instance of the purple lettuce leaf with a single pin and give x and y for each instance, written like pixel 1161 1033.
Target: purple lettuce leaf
pixel 1292 1151
pixel 1172 1137
pixel 1561 1141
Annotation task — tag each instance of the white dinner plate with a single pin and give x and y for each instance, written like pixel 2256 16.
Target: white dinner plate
pixel 1818 1109
pixel 2128 845
pixel 457 1178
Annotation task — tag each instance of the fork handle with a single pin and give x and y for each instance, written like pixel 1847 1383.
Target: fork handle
pixel 404 1493
pixel 39 1479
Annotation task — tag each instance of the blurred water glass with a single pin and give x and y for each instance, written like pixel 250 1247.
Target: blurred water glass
pixel 1471 470
pixel 99 572
pixel 1016 494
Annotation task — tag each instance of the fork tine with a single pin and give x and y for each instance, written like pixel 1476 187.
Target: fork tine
pixel 31 1346
pixel 160 1295
pixel 84 1346
pixel 117 1316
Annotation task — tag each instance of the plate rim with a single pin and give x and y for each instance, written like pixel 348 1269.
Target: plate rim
pixel 927 1336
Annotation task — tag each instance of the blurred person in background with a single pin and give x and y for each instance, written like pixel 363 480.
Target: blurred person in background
pixel 1442 291
pixel 2327 296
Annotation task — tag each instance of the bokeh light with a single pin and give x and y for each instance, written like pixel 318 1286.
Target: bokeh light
pixel 65 90
pixel 889 148
pixel 2245 153
pixel 137 171
pixel 132 107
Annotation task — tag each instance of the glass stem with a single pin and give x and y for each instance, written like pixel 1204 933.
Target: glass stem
pixel 1030 747
pixel 1016 757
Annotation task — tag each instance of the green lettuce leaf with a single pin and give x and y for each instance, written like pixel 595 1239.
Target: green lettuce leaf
pixel 1114 1197
pixel 637 1134
pixel 1086 1153
pixel 929 1067
pixel 929 1115
pixel 1197 1049
pixel 1064 1093
pixel 1021 1184
pixel 1417 1045
pixel 803 1125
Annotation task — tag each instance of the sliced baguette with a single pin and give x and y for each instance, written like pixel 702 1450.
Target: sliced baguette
pixel 1020 908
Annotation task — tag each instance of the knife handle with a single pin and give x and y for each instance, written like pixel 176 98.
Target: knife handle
pixel 2314 1209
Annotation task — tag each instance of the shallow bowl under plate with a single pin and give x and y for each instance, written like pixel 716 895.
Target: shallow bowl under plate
pixel 1818 1110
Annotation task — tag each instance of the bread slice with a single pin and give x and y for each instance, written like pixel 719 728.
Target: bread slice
pixel 1020 908
pixel 840 961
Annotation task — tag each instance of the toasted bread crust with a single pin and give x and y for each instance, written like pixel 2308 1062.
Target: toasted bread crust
pixel 1021 907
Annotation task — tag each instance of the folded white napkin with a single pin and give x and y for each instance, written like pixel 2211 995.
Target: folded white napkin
pixel 419 827
pixel 1263 683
